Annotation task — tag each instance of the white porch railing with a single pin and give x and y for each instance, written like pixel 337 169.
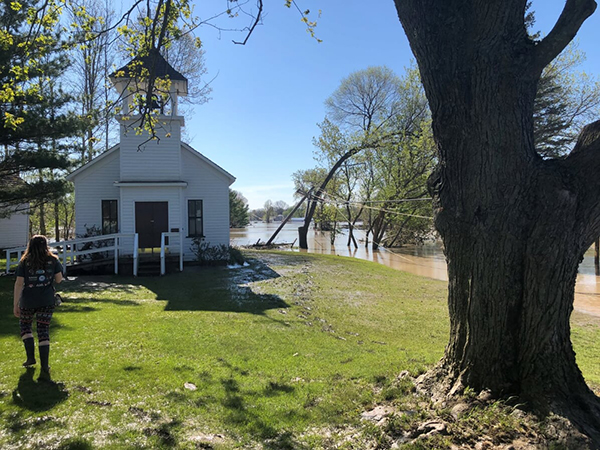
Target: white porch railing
pixel 164 247
pixel 68 251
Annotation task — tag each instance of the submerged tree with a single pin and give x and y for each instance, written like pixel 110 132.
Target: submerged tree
pixel 375 123
pixel 332 146
pixel 402 208
pixel 514 225
pixel 269 211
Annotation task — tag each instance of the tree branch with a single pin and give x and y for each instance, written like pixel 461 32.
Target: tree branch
pixel 584 163
pixel 588 140
pixel 572 17
pixel 257 19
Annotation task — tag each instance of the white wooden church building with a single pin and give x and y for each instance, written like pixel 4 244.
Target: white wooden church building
pixel 153 186
pixel 14 220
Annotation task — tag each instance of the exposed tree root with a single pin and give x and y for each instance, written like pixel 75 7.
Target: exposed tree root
pixel 572 421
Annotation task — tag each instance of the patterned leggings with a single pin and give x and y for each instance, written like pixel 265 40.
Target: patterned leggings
pixel 43 316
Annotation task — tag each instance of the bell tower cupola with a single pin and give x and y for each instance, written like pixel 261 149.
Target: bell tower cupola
pixel 131 81
pixel 149 154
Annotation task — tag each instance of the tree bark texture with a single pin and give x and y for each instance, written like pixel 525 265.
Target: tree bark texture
pixel 514 226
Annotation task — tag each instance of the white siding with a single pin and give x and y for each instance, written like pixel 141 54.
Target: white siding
pixel 154 160
pixel 212 187
pixel 92 186
pixel 14 231
pixel 130 195
pixel 166 160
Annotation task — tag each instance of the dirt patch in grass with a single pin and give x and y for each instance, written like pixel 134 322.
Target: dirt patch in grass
pixel 408 420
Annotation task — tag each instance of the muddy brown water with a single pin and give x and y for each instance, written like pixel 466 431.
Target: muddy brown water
pixel 426 260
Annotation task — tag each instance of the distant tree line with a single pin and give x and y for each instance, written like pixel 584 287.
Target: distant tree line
pixel 271 210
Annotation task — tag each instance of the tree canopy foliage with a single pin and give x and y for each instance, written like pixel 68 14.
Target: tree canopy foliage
pixel 56 104
pixel 36 116
pixel 377 148
pixel 239 215
pixel 566 100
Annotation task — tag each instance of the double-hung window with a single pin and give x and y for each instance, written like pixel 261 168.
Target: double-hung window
pixel 195 225
pixel 110 220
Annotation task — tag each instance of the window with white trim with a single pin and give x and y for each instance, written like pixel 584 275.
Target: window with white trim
pixel 110 219
pixel 195 219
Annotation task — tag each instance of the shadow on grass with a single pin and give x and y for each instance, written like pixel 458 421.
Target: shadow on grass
pixel 196 289
pixel 94 284
pixel 9 324
pixel 241 414
pixel 38 395
pixel 242 408
pixel 74 304
pixel 216 289
pixel 164 433
pixel 76 444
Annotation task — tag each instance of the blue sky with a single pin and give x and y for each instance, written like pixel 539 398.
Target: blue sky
pixel 268 95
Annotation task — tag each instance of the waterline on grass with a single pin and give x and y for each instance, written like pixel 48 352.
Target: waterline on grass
pixel 425 260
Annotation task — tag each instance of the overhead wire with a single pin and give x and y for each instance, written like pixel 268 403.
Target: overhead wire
pixel 338 202
pixel 343 202
pixel 402 200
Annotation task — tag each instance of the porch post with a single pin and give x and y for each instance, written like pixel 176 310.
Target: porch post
pixel 116 244
pixel 135 254
pixel 180 250
pixel 64 255
pixel 162 253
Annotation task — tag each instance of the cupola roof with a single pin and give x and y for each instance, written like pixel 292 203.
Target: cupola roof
pixel 153 60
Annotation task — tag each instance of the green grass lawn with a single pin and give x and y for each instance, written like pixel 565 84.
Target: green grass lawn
pixel 273 353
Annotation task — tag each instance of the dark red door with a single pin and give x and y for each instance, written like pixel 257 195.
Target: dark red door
pixel 151 219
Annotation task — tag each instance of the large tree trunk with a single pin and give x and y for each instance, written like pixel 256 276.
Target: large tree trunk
pixel 514 226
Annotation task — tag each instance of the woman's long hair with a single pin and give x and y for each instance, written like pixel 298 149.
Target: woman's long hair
pixel 37 253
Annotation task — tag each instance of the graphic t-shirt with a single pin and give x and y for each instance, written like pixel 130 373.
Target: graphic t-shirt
pixel 38 290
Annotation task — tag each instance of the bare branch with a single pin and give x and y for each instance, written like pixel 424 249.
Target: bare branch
pixel 257 19
pixel 572 17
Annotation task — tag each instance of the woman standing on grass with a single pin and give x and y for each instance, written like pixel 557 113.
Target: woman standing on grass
pixel 34 296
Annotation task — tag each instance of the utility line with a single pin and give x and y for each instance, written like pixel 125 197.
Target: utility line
pixel 402 200
pixel 342 202
pixel 362 202
pixel 398 213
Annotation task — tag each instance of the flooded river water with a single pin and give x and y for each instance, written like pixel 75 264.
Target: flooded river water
pixel 426 260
